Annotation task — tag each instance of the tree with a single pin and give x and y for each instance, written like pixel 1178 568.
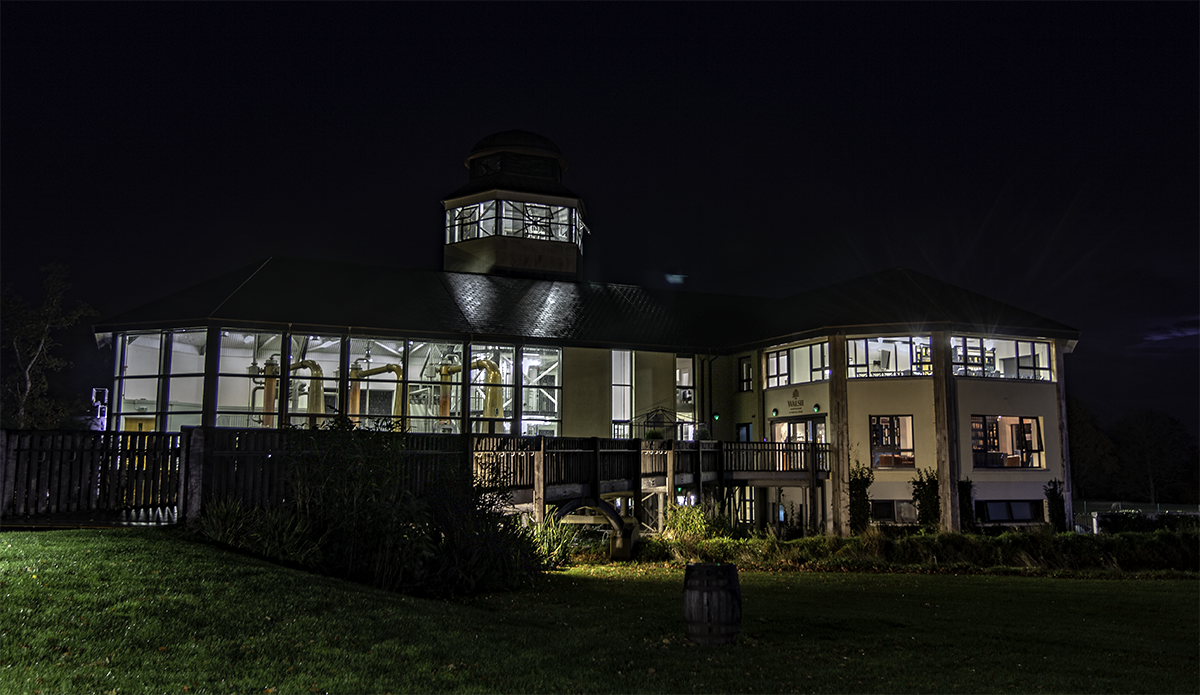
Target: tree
pixel 1095 471
pixel 1158 457
pixel 28 336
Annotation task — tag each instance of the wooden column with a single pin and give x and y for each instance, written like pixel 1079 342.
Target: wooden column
pixel 945 418
pixel 539 481
pixel 191 478
pixel 839 446
pixel 1065 442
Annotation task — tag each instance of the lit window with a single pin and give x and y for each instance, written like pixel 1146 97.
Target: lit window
pixel 1002 441
pixel 777 368
pixel 891 441
pixel 745 375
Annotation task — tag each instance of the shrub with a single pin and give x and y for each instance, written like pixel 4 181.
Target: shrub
pixel 860 481
pixel 348 513
pixel 554 540
pixel 925 497
pixel 1057 505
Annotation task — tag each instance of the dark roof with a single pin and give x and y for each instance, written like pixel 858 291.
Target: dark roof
pixel 518 141
pixel 328 296
pixel 904 300
pixel 512 182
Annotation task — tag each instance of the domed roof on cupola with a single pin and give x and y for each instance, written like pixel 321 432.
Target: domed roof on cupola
pixel 521 141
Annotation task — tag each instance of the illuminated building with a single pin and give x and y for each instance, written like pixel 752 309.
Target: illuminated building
pixel 895 370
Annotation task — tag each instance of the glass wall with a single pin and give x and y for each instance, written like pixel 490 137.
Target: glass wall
pixel 894 356
pixel 391 383
pixel 376 383
pixel 622 393
pixel 798 365
pixel 313 386
pixel 1001 358
pixel 514 218
pixel 248 381
pixel 138 365
pixel 435 377
pixel 492 371
pixel 541 382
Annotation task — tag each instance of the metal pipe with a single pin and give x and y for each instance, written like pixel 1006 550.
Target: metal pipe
pixel 270 371
pixel 492 396
pixel 356 373
pixel 316 386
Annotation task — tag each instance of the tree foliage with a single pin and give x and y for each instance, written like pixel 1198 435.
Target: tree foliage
pixel 925 497
pixel 28 335
pixel 859 485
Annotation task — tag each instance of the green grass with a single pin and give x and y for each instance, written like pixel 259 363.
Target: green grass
pixel 153 611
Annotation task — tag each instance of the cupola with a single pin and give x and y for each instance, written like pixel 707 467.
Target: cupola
pixel 514 216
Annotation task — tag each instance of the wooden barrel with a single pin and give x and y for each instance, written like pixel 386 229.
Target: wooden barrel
pixel 712 602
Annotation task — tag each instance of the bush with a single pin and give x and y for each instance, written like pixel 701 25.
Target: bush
pixel 860 481
pixel 348 513
pixel 925 497
pixel 554 540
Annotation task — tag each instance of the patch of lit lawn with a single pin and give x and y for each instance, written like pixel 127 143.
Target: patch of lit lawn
pixel 155 611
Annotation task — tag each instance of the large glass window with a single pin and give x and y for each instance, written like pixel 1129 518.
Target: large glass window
pixel 777 368
pixel 249 383
pixel 1001 441
pixel 138 365
pixel 185 388
pixel 376 383
pixel 798 365
pixel 435 375
pixel 685 400
pixel 541 391
pixel 1001 358
pixel 471 221
pixel 492 370
pixel 313 387
pixel 892 441
pixel 622 393
pixel 888 356
pixel 745 374
pixel 810 363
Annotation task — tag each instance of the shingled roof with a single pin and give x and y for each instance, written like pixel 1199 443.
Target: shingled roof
pixel 336 297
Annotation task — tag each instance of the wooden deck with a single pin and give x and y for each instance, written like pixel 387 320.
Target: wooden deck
pixel 79 479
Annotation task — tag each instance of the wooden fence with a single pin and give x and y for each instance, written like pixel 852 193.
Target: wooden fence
pixel 63 472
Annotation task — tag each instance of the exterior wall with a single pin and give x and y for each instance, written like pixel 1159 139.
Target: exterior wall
pixel 721 397
pixel 743 406
pixel 898 396
pixel 793 401
pixel 587 392
pixel 1017 398
pixel 653 381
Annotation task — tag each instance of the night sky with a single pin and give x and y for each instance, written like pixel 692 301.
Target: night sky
pixel 1045 154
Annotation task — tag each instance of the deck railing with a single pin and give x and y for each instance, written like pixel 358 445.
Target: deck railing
pixel 52 472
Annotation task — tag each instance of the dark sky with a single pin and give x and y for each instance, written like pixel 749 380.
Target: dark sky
pixel 1045 154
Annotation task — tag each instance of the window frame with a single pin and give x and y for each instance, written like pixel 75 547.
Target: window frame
pixel 987 442
pixel 745 374
pixel 777 372
pixel 887 440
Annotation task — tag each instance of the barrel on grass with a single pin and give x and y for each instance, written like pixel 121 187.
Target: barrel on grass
pixel 712 602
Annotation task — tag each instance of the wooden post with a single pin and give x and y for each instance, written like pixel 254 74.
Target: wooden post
pixel 1065 444
pixel 594 472
pixel 669 495
pixel 638 505
pixel 839 450
pixel 539 481
pixel 945 418
pixel 191 479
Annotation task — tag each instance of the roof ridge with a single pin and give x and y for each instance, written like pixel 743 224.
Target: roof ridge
pixel 243 284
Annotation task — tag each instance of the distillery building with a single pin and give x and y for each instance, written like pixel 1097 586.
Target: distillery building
pixel 896 370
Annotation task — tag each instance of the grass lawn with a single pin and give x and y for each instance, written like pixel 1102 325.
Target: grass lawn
pixel 153 611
